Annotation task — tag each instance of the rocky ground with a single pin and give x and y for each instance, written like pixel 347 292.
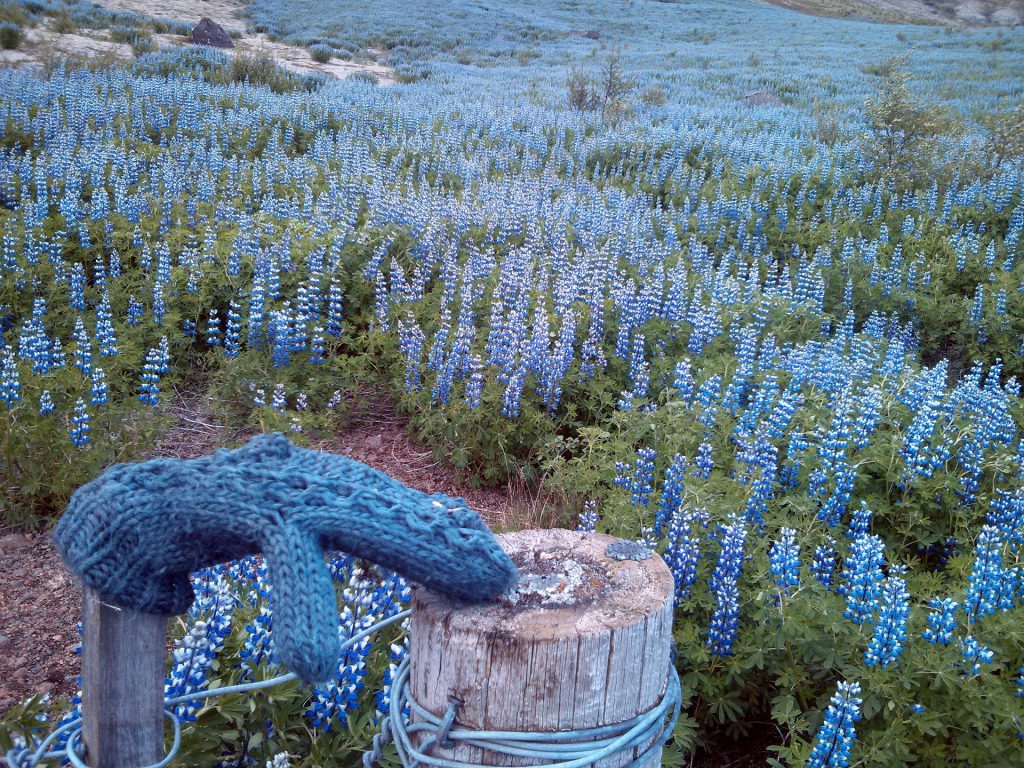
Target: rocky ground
pixel 970 12
pixel 44 44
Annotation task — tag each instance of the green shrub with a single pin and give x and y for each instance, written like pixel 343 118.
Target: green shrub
pixel 261 69
pixel 142 47
pixel 321 53
pixel 121 33
pixel 654 96
pixel 63 24
pixel 11 35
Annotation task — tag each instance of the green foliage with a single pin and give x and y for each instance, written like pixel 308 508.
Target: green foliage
pixel 261 69
pixel 606 91
pixel 1004 139
pixel 11 35
pixel 904 139
pixel 321 53
pixel 62 23
pixel 793 648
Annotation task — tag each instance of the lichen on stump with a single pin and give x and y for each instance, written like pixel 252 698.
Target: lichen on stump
pixel 582 641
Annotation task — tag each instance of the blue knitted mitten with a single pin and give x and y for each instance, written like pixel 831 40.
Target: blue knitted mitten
pixel 136 533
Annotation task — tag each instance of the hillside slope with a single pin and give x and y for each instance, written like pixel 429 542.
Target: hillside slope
pixel 1008 12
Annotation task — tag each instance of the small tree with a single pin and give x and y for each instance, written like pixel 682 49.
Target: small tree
pixel 582 95
pixel 607 93
pixel 1004 139
pixel 615 88
pixel 904 142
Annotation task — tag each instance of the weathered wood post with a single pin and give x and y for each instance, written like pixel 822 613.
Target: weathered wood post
pixel 583 642
pixel 123 669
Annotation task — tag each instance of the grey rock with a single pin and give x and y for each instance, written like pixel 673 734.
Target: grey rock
pixel 209 32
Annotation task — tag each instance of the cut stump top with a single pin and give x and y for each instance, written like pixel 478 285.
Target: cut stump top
pixel 570 584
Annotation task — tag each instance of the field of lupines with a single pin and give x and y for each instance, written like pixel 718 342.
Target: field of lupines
pixel 710 324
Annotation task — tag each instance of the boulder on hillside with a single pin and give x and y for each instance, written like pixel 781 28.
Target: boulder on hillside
pixel 762 98
pixel 209 32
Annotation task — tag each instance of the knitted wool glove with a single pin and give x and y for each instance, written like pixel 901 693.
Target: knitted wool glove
pixel 136 533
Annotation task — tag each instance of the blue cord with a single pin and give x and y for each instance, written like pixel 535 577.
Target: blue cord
pixel 26 758
pixel 563 749
pixel 568 749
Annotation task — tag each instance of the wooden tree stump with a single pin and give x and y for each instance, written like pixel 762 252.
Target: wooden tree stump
pixel 583 641
pixel 123 668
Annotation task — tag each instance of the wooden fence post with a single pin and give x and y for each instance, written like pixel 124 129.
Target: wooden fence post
pixel 585 641
pixel 123 669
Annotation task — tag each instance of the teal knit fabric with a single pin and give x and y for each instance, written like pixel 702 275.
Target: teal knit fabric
pixel 136 533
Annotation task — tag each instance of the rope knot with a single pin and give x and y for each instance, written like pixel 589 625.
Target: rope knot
pixel 447 722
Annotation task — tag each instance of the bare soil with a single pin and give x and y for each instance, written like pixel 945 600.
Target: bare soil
pixel 43 44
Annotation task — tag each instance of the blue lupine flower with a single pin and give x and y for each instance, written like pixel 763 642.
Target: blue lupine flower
pixel 703 463
pixel 79 430
pixel 10 385
pixel 99 392
pixel 410 342
pixel 823 565
pixel 671 494
pixel 475 382
pixel 105 337
pixel 335 300
pixel 210 623
pixel 862 573
pixel 278 400
pixel 986 580
pixel 317 344
pixel 941 621
pixel 784 561
pixel 382 699
pixel 834 741
pixel 213 328
pixel 973 655
pixel 259 645
pixel 860 524
pixel 149 392
pixel 683 551
pixel 135 311
pixel 45 403
pixel 638 479
pixel 890 632
pixel 684 382
pixel 233 331
pixel 588 518
pixel 83 347
pixel 725 619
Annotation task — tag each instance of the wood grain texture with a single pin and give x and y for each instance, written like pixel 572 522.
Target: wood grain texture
pixel 585 642
pixel 123 669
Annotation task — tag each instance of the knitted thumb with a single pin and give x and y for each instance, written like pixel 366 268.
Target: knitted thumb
pixel 304 606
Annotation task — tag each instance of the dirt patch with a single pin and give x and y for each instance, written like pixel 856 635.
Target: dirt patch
pixel 228 13
pixel 42 44
pixel 41 605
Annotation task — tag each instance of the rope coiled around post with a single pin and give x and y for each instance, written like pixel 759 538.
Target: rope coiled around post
pixel 566 749
pixel 562 749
